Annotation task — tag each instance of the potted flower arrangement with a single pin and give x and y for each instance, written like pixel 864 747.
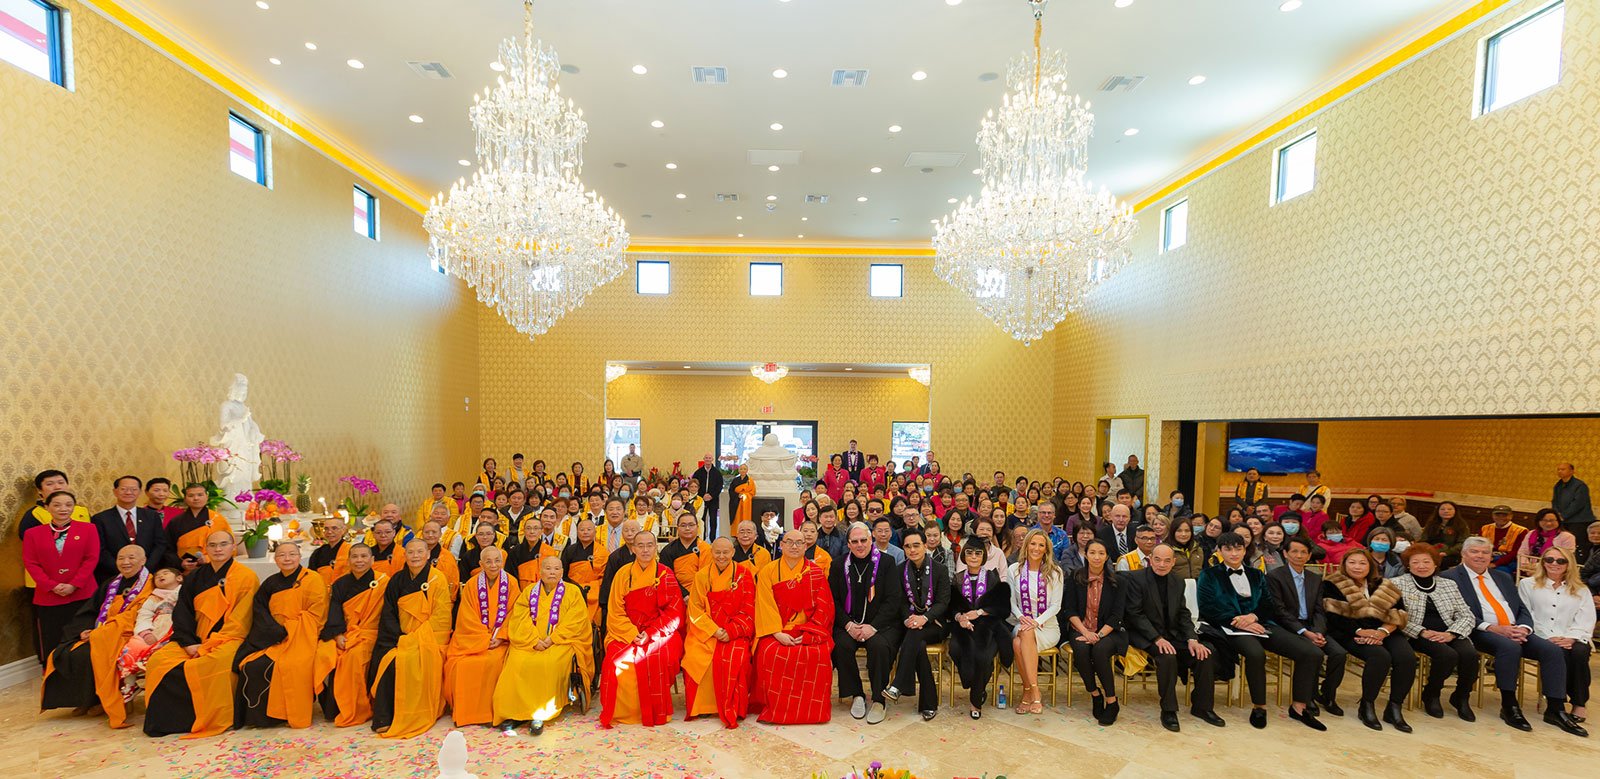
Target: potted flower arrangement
pixel 279 458
pixel 806 466
pixel 199 467
pixel 352 507
pixel 877 771
pixel 262 509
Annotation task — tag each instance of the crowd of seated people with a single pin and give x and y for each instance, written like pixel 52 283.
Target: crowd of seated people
pixel 507 602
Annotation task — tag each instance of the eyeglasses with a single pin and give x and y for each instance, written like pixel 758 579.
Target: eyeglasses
pixel 1555 561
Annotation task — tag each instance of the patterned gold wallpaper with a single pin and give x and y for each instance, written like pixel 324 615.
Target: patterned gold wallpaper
pixel 990 394
pixel 677 414
pixel 1443 265
pixel 142 274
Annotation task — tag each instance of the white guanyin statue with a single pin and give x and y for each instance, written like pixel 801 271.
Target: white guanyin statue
pixel 771 468
pixel 241 436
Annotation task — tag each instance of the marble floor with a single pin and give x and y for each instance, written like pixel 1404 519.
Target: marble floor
pixel 1062 742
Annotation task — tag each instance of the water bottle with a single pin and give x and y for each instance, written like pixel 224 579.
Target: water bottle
pixel 1000 700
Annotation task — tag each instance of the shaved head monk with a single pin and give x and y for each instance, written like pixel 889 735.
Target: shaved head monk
pixel 722 622
pixel 408 660
pixel 794 638
pixel 644 639
pixel 277 673
pixel 354 604
pixel 551 637
pixel 477 649
pixel 82 671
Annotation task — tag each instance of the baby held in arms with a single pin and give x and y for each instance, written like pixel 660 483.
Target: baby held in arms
pixel 150 632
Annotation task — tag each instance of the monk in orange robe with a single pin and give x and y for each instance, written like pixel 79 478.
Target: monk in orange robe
pixel 331 559
pixel 348 636
pixel 584 561
pixel 408 660
pixel 189 681
pixel 277 663
pixel 537 540
pixel 687 554
pixel 388 557
pixel 644 640
pixel 477 649
pixel 82 672
pixel 190 530
pixel 747 552
pixel 794 639
pixel 440 557
pixel 716 653
pixel 744 490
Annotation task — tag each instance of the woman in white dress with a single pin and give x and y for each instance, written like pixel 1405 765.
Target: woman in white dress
pixel 1563 614
pixel 1036 583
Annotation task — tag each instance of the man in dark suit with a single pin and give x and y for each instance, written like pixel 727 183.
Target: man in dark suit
pixel 710 477
pixel 127 523
pixel 1117 533
pixel 1237 607
pixel 854 461
pixel 1505 630
pixel 1298 593
pixel 869 612
pixel 1159 623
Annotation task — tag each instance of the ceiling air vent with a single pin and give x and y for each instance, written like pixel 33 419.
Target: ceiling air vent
pixel 847 77
pixel 1122 83
pixel 727 197
pixel 710 74
pixel 934 159
pixel 818 199
pixel 430 70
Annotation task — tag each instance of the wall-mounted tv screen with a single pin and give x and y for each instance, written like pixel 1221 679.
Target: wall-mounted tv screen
pixel 1272 447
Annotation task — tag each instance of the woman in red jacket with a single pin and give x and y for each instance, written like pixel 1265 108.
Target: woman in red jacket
pixel 60 557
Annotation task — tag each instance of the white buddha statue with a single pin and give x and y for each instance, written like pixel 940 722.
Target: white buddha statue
pixel 771 467
pixel 240 435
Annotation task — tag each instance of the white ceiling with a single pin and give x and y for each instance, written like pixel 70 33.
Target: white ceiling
pixel 843 369
pixel 1258 62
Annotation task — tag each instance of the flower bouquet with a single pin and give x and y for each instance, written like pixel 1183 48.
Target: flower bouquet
pixel 261 512
pixel 352 507
pixel 279 458
pixel 875 771
pixel 199 467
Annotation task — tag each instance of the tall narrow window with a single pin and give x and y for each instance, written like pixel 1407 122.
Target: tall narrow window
pixel 247 150
pixel 1175 225
pixel 31 39
pixel 1522 59
pixel 886 281
pixel 652 277
pixel 1295 168
pixel 766 279
pixel 366 214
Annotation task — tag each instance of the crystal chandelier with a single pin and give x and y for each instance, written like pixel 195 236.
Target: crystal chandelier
pixel 523 233
pixel 1039 236
pixel 769 372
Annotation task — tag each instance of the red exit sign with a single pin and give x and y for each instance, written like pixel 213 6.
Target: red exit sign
pixel 767 409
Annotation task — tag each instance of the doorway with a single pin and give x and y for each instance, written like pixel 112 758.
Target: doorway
pixel 737 438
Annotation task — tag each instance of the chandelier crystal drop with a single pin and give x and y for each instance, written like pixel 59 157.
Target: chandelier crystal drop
pixel 523 232
pixel 1039 236
pixel 769 372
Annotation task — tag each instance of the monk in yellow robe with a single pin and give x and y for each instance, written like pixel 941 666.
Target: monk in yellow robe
pixel 190 531
pixel 716 652
pixel 408 660
pixel 388 556
pixel 277 663
pixel 551 637
pixel 686 554
pixel 749 554
pixel 644 640
pixel 331 558
pixel 478 647
pixel 441 558
pixel 82 672
pixel 354 604
pixel 189 681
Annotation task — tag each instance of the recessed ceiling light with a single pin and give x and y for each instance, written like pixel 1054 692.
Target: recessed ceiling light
pixel 951 200
pixel 894 128
pixel 802 235
pixel 658 124
pixel 952 2
pixel 672 166
pixel 639 70
pixel 780 73
pixel 805 218
pixel 464 163
pixel 1289 5
pixel 355 63
pixel 977 171
pixel 739 218
pixel 741 235
pixel 773 168
pixel 919 75
pixel 275 60
pixel 686 367
pixel 262 4
pixel 772 197
pixel 1123 3
pixel 876 169
pixel 776 126
pixel 861 199
pixel 311 46
pixel 933 221
pixel 415 119
pixel 1195 81
pixel 1131 131
pixel 497 67
pixel 681 196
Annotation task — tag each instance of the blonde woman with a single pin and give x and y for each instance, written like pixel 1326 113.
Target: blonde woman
pixel 1035 603
pixel 1563 614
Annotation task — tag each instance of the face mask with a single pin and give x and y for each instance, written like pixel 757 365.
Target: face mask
pixel 677 504
pixel 1177 502
pixel 625 493
pixel 1335 537
pixel 1401 545
pixel 927 490
pixel 1198 529
pixel 1290 528
pixel 1380 547
pixel 566 494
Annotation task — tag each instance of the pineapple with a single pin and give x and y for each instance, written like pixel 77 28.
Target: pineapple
pixel 302 494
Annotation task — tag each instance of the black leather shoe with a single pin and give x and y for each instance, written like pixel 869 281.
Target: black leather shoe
pixel 1258 718
pixel 1109 716
pixel 1463 707
pixel 1312 707
pixel 1368 714
pixel 1099 706
pixel 1328 704
pixel 1563 720
pixel 1511 714
pixel 1169 720
pixel 1431 707
pixel 1394 715
pixel 1208 717
pixel 1307 719
pixel 537 727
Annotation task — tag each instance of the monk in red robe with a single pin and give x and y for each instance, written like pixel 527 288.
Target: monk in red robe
pixel 644 640
pixel 794 639
pixel 716 653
